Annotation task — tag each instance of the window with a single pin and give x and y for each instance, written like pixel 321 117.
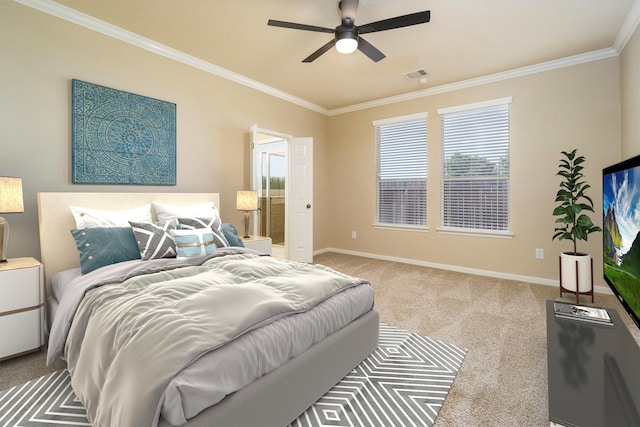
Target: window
pixel 401 168
pixel 475 167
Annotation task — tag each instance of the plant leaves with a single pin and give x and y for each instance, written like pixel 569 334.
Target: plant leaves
pixel 586 207
pixel 584 222
pixel 573 200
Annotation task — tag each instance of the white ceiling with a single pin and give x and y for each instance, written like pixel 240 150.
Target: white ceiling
pixel 466 39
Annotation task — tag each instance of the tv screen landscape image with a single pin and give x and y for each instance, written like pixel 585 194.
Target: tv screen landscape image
pixel 621 225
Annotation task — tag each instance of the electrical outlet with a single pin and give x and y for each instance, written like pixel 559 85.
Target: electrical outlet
pixel 353 234
pixel 539 253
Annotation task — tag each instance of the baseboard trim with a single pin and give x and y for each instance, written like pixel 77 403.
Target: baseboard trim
pixel 456 268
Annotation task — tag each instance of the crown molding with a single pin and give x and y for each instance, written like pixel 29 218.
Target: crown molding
pixel 84 20
pixel 628 28
pixel 483 80
pixel 91 23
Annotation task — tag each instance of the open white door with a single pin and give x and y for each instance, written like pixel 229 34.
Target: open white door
pixel 299 200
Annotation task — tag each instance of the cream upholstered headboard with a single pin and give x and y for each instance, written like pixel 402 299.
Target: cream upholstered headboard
pixel 57 247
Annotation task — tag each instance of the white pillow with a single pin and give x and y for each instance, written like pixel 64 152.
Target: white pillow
pixel 193 243
pixel 87 218
pixel 169 212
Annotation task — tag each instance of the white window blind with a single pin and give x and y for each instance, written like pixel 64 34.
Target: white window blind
pixel 401 164
pixel 475 167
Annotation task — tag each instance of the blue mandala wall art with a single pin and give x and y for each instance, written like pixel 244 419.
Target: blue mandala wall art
pixel 122 138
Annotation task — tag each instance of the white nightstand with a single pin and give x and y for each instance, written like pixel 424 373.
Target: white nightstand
pixel 21 307
pixel 258 243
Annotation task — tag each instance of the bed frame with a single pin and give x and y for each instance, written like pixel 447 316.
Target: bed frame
pixel 277 398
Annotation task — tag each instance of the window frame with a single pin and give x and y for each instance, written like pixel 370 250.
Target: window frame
pixel 423 116
pixel 508 233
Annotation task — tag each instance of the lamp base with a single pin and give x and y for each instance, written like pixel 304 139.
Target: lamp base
pixel 4 239
pixel 247 218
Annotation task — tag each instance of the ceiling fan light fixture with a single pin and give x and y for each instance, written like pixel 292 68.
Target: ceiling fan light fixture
pixel 347 42
pixel 346 36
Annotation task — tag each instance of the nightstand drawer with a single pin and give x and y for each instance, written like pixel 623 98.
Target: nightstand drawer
pixel 20 332
pixel 19 289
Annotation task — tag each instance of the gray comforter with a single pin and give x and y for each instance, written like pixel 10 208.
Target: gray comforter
pixel 129 339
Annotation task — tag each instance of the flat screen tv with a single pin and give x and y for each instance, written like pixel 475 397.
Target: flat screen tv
pixel 621 232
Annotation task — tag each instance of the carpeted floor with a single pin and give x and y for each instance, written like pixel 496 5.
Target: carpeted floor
pixel 24 368
pixel 503 380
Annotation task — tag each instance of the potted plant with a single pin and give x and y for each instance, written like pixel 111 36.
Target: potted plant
pixel 574 224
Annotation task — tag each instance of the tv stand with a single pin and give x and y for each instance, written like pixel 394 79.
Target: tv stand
pixel 593 373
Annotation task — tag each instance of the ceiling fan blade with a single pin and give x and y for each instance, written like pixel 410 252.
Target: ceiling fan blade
pixel 304 27
pixel 397 22
pixel 348 9
pixel 370 50
pixel 315 55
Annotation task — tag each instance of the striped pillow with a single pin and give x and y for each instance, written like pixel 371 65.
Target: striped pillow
pixel 215 224
pixel 154 239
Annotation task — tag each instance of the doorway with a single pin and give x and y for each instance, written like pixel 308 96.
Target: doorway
pixel 282 174
pixel 271 164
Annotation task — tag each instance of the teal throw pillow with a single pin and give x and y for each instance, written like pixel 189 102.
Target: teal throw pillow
pixel 100 246
pixel 231 234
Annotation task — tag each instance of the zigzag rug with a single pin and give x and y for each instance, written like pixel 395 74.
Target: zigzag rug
pixel 402 383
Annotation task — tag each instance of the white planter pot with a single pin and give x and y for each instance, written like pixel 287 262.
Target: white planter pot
pixel 568 275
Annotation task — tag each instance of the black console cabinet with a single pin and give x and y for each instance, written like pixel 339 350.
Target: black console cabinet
pixel 594 373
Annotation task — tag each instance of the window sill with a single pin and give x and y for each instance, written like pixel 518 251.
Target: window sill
pixel 477 233
pixel 417 228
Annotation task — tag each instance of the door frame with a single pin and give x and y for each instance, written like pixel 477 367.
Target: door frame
pixel 254 179
pixel 255 131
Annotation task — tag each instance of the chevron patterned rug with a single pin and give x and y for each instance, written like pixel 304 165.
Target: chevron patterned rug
pixel 403 383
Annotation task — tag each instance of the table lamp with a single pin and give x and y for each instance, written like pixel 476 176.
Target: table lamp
pixel 11 201
pixel 247 201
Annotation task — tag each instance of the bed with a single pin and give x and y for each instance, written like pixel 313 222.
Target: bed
pixel 274 399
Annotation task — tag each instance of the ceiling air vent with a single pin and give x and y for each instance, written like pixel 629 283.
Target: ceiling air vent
pixel 418 74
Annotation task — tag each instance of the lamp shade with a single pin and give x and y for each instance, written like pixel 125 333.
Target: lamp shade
pixel 11 200
pixel 247 201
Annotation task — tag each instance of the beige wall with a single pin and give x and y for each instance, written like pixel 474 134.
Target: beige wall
pixel 551 111
pixel 39 56
pixel 630 97
pixel 571 107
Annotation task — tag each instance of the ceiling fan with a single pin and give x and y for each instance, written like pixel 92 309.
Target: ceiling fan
pixel 347 35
